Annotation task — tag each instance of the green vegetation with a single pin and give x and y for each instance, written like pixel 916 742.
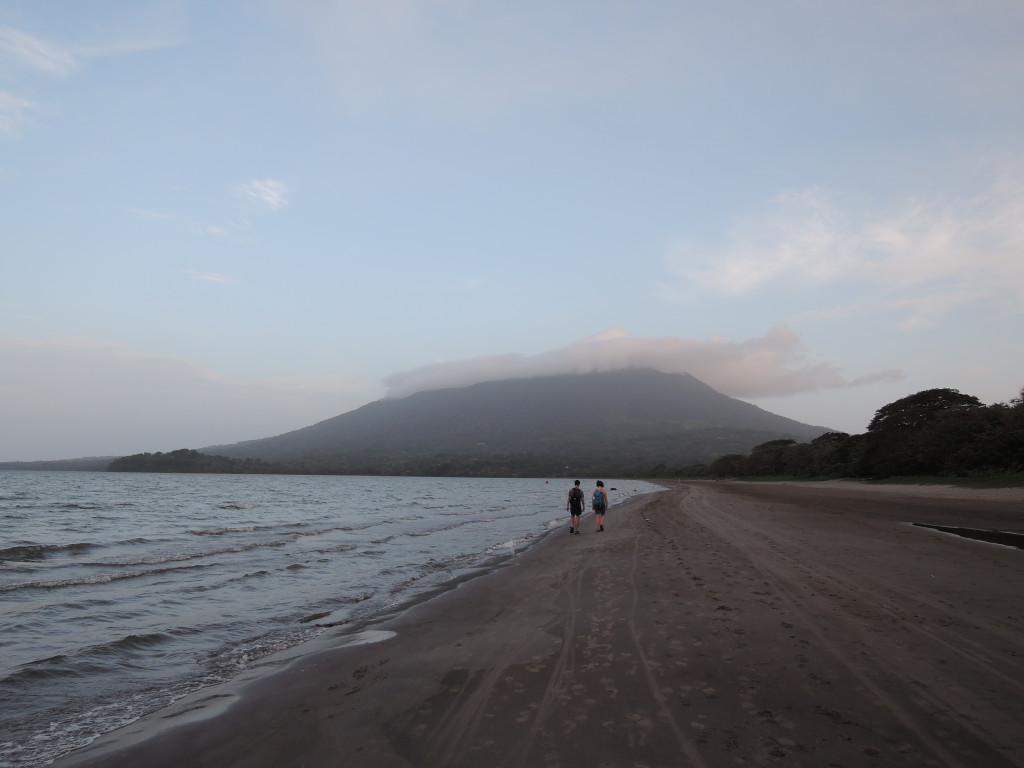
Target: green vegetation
pixel 185 460
pixel 936 433
pixel 511 464
pixel 86 464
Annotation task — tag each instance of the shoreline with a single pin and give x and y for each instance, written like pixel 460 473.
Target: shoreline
pixel 711 624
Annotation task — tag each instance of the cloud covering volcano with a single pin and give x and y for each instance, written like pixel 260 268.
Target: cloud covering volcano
pixel 767 366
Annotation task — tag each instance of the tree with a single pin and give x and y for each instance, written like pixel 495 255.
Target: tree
pixel 729 465
pixel 916 434
pixel 916 410
pixel 937 432
pixel 768 458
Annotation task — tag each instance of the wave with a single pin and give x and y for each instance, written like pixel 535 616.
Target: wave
pixel 292 529
pixel 82 663
pixel 339 548
pixel 444 528
pixel 25 552
pixel 509 545
pixel 100 578
pixel 222 531
pixel 200 588
pixel 185 556
pixel 136 540
pixel 236 656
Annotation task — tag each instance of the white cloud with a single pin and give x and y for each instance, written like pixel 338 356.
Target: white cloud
pixel 19 50
pixel 14 114
pixel 36 54
pixel 770 365
pixel 211 277
pixel 23 55
pixel 266 194
pixel 930 258
pixel 80 398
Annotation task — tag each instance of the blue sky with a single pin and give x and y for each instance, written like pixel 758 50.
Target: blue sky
pixel 222 221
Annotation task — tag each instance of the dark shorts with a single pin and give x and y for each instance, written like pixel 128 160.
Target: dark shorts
pixel 599 509
pixel 575 512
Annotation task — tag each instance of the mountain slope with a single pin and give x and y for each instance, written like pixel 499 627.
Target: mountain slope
pixel 616 421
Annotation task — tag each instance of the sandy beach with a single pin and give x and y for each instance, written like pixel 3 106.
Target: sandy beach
pixel 710 625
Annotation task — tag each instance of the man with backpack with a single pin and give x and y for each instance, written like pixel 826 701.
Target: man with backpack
pixel 574 505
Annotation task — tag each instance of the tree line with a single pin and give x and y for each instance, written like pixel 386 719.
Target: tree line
pixel 494 464
pixel 188 460
pixel 935 432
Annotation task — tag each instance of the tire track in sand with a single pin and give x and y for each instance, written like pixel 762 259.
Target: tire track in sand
pixel 791 577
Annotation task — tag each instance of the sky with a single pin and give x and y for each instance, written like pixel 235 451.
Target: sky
pixel 224 221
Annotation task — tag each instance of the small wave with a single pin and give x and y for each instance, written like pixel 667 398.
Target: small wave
pixel 459 510
pixel 510 545
pixel 134 643
pixel 100 578
pixel 25 552
pixel 183 556
pixel 246 576
pixel 42 744
pixel 332 529
pixel 339 548
pixel 82 663
pixel 239 579
pixel 230 660
pixel 37 671
pixel 222 531
pixel 350 528
pixel 231 505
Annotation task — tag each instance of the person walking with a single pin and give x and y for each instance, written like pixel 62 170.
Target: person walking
pixel 574 505
pixel 599 501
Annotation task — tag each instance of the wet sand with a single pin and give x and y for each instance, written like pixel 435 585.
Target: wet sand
pixel 712 624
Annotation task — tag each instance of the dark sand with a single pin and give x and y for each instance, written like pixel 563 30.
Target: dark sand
pixel 714 624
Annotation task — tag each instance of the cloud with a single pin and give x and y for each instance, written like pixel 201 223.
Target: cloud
pixel 930 258
pixel 265 194
pixel 80 398
pixel 23 55
pixel 14 114
pixel 209 277
pixel 19 50
pixel 770 365
pixel 36 54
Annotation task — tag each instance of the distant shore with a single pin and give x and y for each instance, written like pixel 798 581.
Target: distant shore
pixel 712 624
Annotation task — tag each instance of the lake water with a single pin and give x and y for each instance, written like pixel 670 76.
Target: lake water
pixel 120 593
